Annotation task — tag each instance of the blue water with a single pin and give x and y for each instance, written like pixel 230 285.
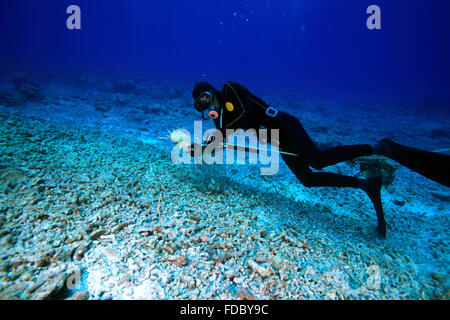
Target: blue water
pixel 301 46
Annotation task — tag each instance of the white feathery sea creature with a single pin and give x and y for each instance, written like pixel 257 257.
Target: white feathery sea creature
pixel 181 139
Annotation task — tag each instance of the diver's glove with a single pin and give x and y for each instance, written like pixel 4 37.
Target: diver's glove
pixel 203 145
pixel 193 146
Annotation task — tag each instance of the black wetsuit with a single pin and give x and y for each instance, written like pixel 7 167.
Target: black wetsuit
pixel 246 111
pixel 249 112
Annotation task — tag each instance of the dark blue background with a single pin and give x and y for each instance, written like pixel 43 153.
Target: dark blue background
pixel 312 46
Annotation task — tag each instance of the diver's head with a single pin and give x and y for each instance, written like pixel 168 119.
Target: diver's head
pixel 206 99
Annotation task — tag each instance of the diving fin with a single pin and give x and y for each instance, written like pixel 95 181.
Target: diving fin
pixel 434 166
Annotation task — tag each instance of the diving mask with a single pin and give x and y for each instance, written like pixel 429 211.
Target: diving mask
pixel 204 102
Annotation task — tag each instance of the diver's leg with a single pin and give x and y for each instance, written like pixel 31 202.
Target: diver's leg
pixel 328 157
pixel 318 179
pixel 435 166
pixel 372 187
pixel 309 178
pixel 297 140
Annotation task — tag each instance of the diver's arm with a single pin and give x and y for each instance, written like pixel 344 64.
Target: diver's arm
pixel 240 148
pixel 211 139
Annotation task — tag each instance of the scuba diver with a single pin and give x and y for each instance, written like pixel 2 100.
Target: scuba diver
pixel 235 107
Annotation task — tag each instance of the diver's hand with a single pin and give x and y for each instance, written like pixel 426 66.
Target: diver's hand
pixel 192 148
pixel 210 139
